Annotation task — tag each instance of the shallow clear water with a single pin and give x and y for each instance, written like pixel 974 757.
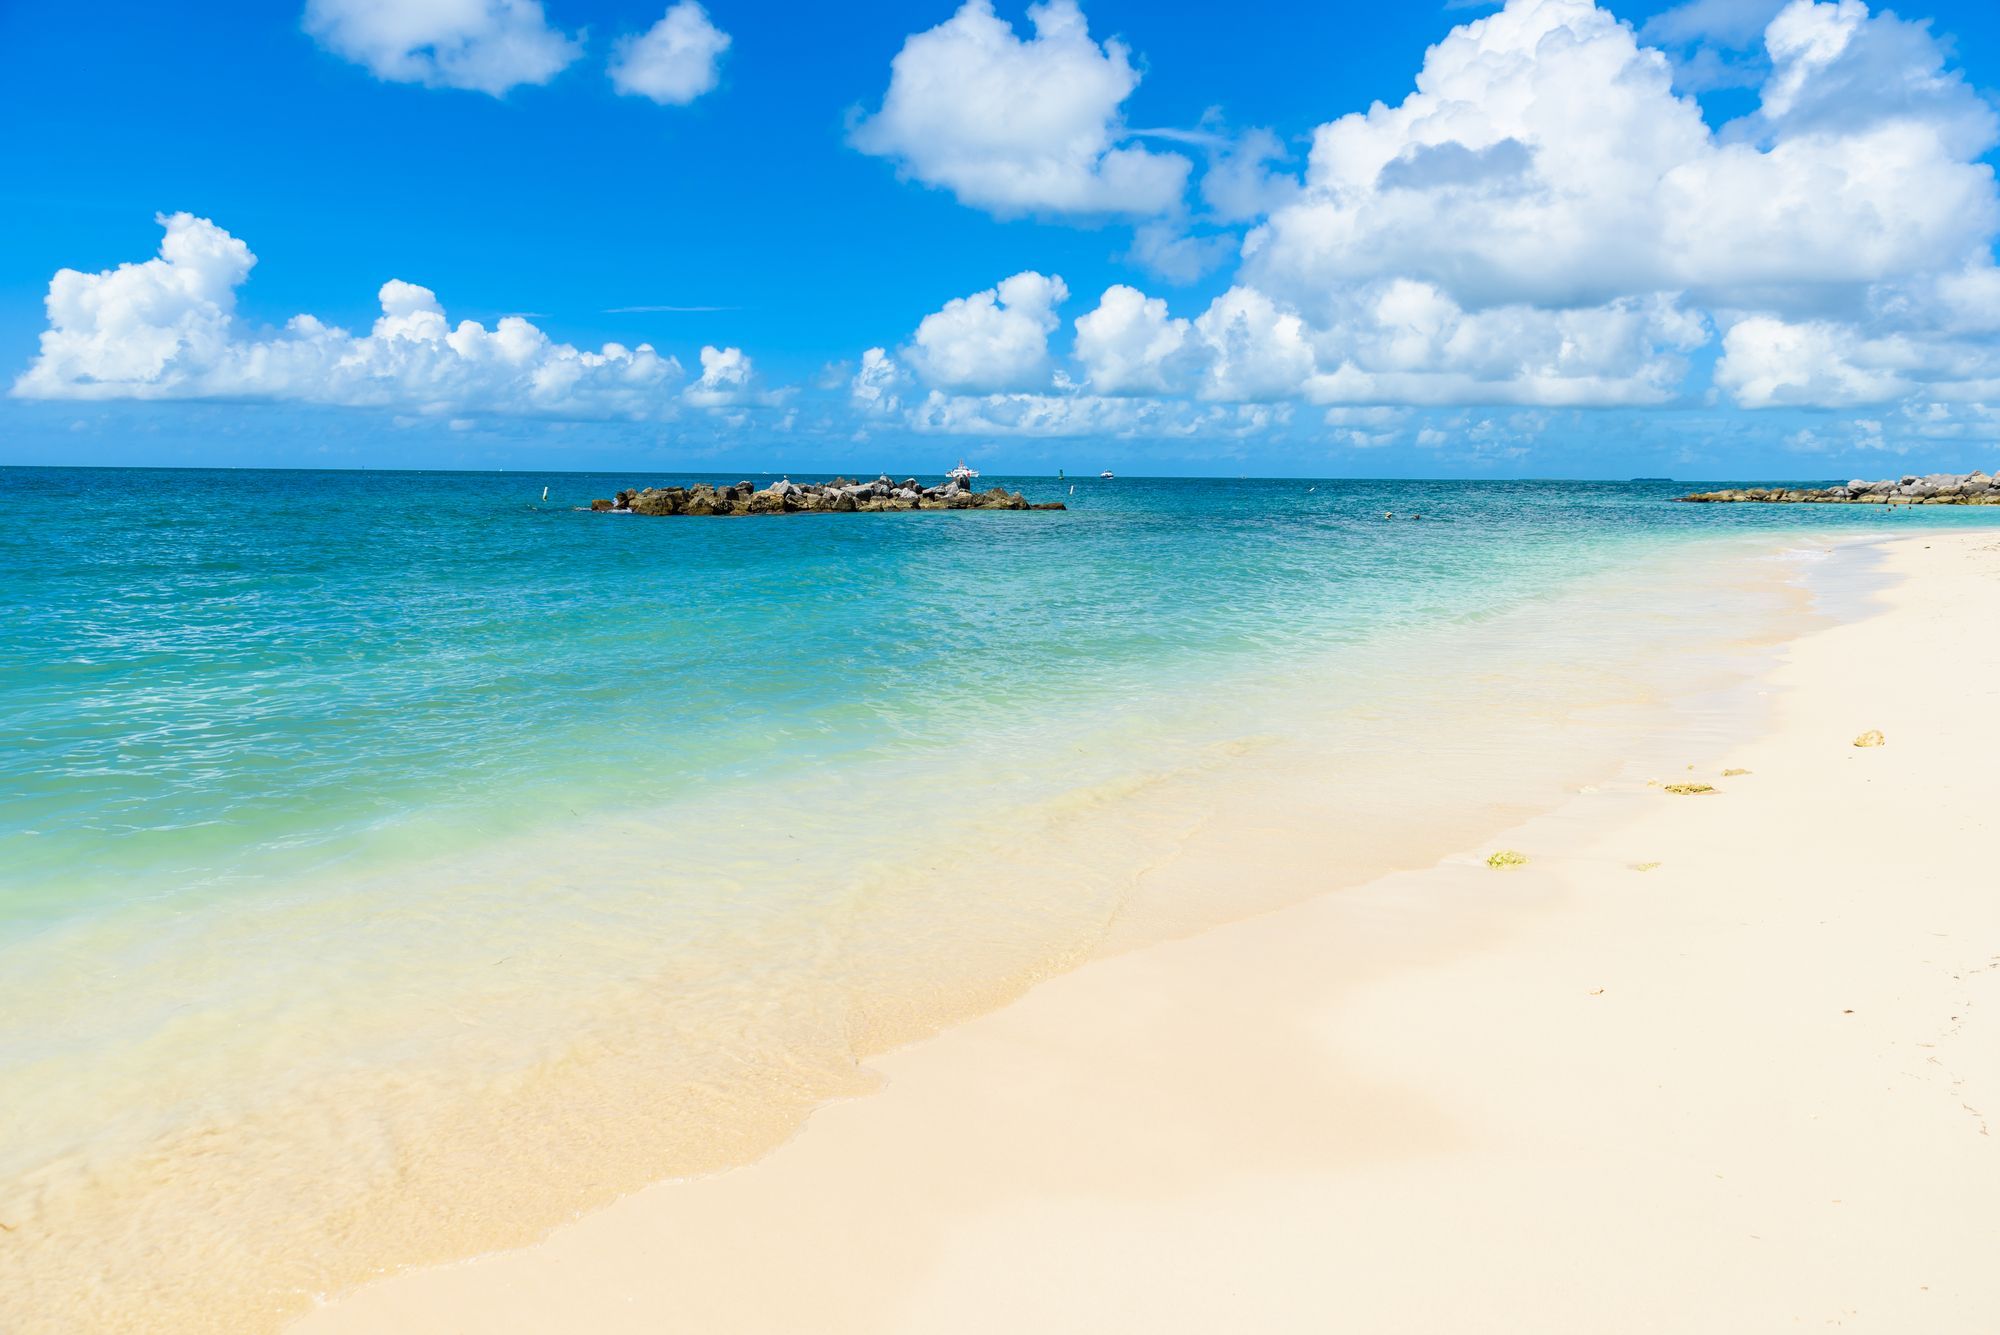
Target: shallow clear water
pixel 212 677
pixel 489 822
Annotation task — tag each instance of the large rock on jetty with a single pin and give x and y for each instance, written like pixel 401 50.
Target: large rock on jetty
pixel 839 495
pixel 1931 489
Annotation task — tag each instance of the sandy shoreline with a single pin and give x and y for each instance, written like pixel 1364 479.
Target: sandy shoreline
pixel 1748 1088
pixel 527 1067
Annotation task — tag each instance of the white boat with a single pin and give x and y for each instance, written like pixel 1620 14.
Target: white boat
pixel 1106 475
pixel 962 473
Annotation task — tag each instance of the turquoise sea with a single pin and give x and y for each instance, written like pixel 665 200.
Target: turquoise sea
pixel 209 679
pixel 363 831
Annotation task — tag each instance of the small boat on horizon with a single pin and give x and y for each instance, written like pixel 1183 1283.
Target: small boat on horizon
pixel 962 473
pixel 1106 475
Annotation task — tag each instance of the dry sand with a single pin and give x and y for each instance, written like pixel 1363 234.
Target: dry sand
pixel 1752 1088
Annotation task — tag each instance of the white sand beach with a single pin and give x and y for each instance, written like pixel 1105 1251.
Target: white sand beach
pixel 1725 1062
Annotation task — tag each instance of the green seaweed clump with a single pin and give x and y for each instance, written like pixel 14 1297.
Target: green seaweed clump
pixel 1690 789
pixel 1506 858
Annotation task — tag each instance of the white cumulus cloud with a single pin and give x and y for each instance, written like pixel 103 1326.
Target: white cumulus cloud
pixel 1243 348
pixel 729 380
pixel 1257 349
pixel 1406 341
pixel 488 46
pixel 875 389
pixel 1130 345
pixel 992 340
pixel 1545 158
pixel 1400 342
pixel 673 62
pixel 167 328
pixel 1546 220
pixel 1018 125
pixel 1769 363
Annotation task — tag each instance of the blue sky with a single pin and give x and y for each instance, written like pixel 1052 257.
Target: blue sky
pixel 1660 239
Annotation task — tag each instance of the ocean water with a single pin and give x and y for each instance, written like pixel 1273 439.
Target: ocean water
pixel 391 863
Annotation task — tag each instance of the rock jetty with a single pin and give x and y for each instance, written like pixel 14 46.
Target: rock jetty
pixel 1931 489
pixel 839 495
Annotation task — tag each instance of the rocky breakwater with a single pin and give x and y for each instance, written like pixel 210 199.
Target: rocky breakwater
pixel 837 496
pixel 1931 489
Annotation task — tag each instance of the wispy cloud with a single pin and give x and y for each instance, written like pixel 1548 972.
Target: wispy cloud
pixel 1202 138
